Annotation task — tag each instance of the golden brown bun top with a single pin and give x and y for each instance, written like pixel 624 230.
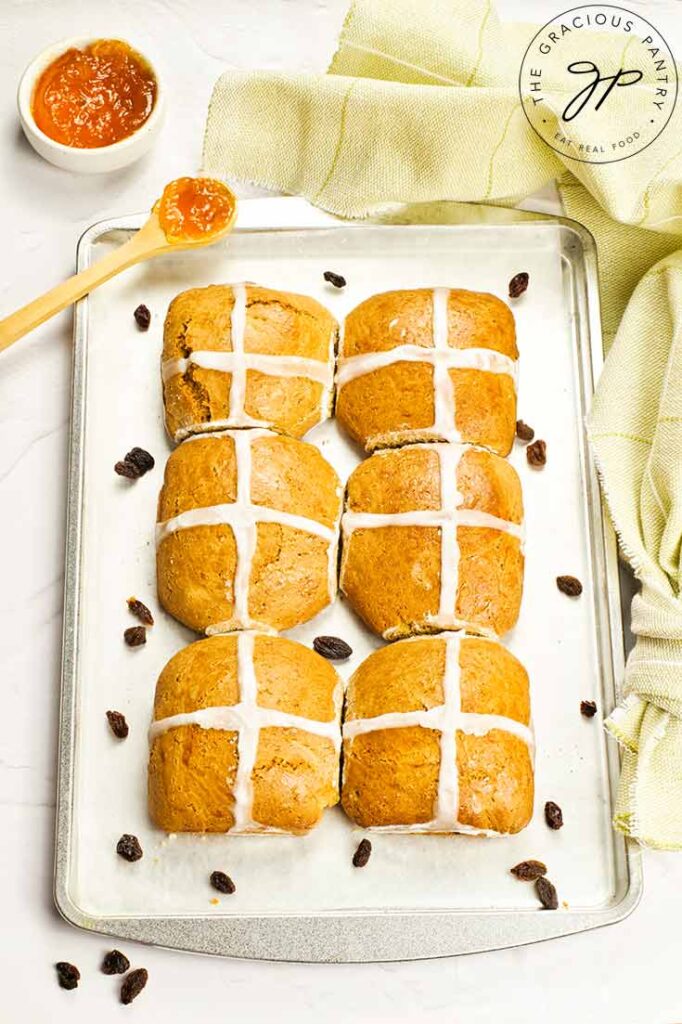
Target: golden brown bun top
pixel 475 320
pixel 290 678
pixel 408 676
pixel 277 323
pixel 288 475
pixel 407 479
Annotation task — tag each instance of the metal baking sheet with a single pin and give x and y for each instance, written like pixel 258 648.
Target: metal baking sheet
pixel 300 898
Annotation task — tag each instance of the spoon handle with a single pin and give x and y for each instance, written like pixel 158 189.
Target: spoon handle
pixel 17 324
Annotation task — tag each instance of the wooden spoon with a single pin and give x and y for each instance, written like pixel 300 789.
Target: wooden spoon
pixel 151 240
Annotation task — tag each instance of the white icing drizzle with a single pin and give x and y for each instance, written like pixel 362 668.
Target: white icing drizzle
pixel 327 395
pixel 447 519
pixel 247 744
pixel 230 362
pixel 446 814
pixel 243 526
pixel 243 516
pixel 441 357
pixel 231 514
pixel 429 517
pixel 485 359
pixel 238 362
pixel 448 719
pixel 238 416
pixel 450 500
pixel 444 416
pixel 246 718
pixel 476 724
pixel 232 719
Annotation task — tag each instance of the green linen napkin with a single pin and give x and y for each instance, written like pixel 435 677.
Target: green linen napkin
pixel 420 103
pixel 636 432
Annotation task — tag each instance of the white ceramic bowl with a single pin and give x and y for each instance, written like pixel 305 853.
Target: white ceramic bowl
pixel 85 161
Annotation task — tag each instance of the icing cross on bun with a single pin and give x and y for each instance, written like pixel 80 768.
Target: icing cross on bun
pixel 247 532
pixel 437 738
pixel 245 737
pixel 428 364
pixel 432 540
pixel 246 356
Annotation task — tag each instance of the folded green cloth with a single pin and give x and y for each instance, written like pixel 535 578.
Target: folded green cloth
pixel 421 103
pixel 636 432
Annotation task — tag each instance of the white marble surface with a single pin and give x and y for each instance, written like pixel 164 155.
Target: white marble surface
pixel 627 973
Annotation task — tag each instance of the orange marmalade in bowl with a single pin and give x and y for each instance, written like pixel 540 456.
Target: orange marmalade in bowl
pixel 194 209
pixel 94 96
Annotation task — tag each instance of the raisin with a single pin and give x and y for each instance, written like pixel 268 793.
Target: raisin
pixel 332 647
pixel 518 285
pixel 141 458
pixel 133 985
pixel 135 464
pixel 524 432
pixel 115 962
pixel 143 317
pixel 553 815
pixel 118 724
pixel 569 585
pixel 547 894
pixel 588 708
pixel 126 469
pixel 529 870
pixel 223 882
pixel 129 848
pixel 68 975
pixel 362 854
pixel 135 636
pixel 336 279
pixel 536 453
pixel 140 611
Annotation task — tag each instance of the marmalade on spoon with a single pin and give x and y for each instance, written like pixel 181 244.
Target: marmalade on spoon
pixel 194 209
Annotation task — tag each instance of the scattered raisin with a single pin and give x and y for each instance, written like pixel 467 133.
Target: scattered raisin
pixel 529 870
pixel 126 469
pixel 362 854
pixel 518 285
pixel 547 894
pixel 143 317
pixel 68 975
pixel 336 279
pixel 140 458
pixel 524 432
pixel 553 815
pixel 115 962
pixel 332 647
pixel 536 453
pixel 223 882
pixel 140 611
pixel 569 585
pixel 135 636
pixel 129 847
pixel 133 985
pixel 588 708
pixel 135 464
pixel 118 724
